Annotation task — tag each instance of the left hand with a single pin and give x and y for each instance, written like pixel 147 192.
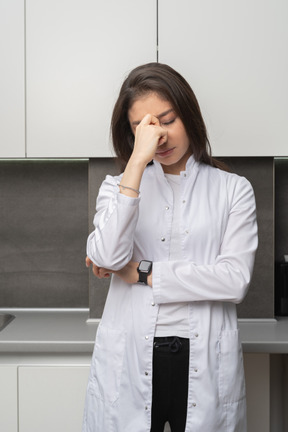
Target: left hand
pixel 99 272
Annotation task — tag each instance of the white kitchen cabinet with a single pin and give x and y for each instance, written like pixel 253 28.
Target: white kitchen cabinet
pixel 51 398
pixel 257 376
pixel 78 52
pixel 234 54
pixel 49 393
pixel 12 82
pixel 8 399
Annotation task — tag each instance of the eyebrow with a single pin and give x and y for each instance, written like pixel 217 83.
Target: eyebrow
pixel 135 123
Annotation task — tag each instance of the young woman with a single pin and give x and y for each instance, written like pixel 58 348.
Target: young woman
pixel 179 235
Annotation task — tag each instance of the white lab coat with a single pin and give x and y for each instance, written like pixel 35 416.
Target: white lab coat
pixel 219 240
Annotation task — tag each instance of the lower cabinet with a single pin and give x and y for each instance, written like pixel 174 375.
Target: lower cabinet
pixel 42 397
pixel 8 399
pixel 51 398
pixel 257 377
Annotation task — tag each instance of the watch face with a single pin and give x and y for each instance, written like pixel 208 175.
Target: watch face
pixel 145 266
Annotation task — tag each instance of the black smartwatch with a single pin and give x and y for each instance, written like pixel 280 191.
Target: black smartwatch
pixel 144 269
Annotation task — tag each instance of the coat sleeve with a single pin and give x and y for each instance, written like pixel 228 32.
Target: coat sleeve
pixel 110 245
pixel 226 279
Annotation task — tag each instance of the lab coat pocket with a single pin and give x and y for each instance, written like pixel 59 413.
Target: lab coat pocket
pixel 107 363
pixel 231 371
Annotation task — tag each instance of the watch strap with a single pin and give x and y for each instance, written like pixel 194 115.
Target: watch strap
pixel 144 272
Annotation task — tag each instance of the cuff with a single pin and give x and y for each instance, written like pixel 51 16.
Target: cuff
pixel 156 282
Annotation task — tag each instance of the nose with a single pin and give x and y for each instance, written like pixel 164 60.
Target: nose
pixel 163 140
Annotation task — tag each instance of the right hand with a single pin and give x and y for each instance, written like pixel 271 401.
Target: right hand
pixel 148 136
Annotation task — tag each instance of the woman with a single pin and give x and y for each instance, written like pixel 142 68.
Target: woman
pixel 179 236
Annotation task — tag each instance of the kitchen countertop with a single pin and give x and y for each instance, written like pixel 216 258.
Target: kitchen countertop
pixel 71 331
pixel 48 330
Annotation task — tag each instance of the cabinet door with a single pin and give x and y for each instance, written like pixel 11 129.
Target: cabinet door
pixel 234 54
pixel 12 102
pixel 51 398
pixel 8 399
pixel 78 52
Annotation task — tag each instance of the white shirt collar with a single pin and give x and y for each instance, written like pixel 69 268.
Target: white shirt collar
pixel 191 166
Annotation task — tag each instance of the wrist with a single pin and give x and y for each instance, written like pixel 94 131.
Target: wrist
pixel 136 162
pixel 144 271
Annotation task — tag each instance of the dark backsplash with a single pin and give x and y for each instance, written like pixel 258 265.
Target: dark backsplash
pixel 47 209
pixel 259 302
pixel 43 231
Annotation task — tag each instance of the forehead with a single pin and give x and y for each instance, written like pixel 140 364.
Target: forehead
pixel 150 103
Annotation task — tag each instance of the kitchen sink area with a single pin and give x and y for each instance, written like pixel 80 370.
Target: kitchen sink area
pixel 5 319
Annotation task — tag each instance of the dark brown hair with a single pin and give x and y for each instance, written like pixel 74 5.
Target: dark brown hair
pixel 171 86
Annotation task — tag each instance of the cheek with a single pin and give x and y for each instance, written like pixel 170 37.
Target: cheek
pixel 183 138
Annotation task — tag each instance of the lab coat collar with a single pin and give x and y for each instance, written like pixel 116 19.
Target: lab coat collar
pixel 192 167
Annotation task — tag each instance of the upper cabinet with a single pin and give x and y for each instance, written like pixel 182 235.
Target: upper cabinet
pixel 12 82
pixel 234 54
pixel 78 53
pixel 57 101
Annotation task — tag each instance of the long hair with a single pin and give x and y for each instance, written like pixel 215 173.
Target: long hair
pixel 171 86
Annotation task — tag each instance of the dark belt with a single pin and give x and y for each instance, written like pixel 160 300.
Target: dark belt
pixel 173 343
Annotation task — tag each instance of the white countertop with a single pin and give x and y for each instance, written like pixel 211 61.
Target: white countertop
pixel 71 331
pixel 59 331
pixel 264 336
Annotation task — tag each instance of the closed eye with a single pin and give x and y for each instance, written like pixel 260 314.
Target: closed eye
pixel 167 123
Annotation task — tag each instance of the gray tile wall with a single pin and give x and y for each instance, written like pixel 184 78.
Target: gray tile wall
pixel 45 216
pixel 98 288
pixel 43 231
pixel 259 302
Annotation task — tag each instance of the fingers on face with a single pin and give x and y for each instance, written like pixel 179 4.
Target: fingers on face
pixel 163 138
pixel 154 121
pixel 150 119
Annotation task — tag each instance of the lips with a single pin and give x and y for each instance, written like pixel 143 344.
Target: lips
pixel 165 153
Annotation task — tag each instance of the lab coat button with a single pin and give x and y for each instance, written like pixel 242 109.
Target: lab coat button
pixel 194 404
pixel 146 337
pixel 162 239
pixel 146 373
pixel 196 335
pixel 184 201
pixel 166 208
pixel 152 304
pixel 195 370
pixel 146 407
